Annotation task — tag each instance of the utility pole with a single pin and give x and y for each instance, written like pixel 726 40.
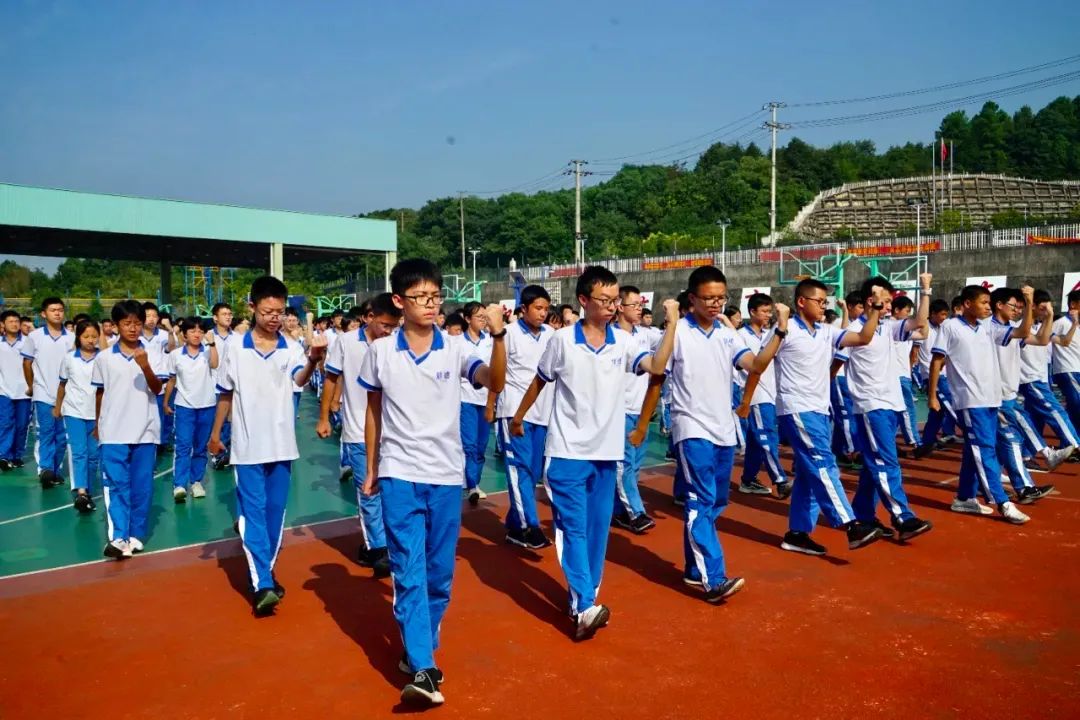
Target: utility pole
pixel 461 214
pixel 577 172
pixel 773 126
pixel 474 252
pixel 723 243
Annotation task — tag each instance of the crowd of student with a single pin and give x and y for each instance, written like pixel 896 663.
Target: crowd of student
pixel 414 395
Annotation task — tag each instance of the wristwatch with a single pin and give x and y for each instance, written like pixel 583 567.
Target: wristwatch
pixel 780 333
pixel 499 334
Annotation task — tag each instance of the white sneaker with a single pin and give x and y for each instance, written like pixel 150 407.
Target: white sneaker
pixel 135 545
pixel 590 621
pixel 1056 457
pixel 117 549
pixel 481 493
pixel 345 474
pixel 1012 513
pixel 971 506
pixel 179 494
pixel 197 490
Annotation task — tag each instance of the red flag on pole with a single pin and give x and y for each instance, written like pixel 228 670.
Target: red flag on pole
pixel 944 152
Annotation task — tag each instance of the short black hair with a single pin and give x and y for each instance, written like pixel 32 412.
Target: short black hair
pixel 592 276
pixel 51 300
pixel 8 313
pixel 413 271
pixel 563 308
pixel 220 306
pixel 532 293
pixel 1004 295
pixel 702 275
pixel 958 302
pixel 1073 297
pixel 868 285
pixel 646 311
pixel 79 318
pixel 939 305
pixel 902 301
pixel 854 298
pixel 150 306
pixel 128 308
pixel 830 315
pixel 731 311
pixel 1040 297
pixel 758 300
pixel 470 309
pixel 683 299
pixel 625 290
pixel 338 312
pixel 455 319
pixel 267 286
pixel 361 310
pixel 972 292
pixel 383 304
pixel 807 284
pixel 292 312
pixel 190 323
pixel 85 322
pixel 25 318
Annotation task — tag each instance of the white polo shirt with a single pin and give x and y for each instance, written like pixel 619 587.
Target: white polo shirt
pixel 871 369
pixel 111 340
pixel 80 395
pixel 971 359
pixel 1035 360
pixel 902 357
pixel 523 352
pixel 48 353
pixel 926 353
pixel 345 360
pixel 481 349
pixel 802 364
pixel 129 411
pixel 223 343
pixel 421 407
pixel 637 385
pixel 588 418
pixel 12 380
pixel 299 342
pixel 1008 349
pixel 195 387
pixel 701 369
pixel 766 387
pixel 263 418
pixel 157 347
pixel 1066 359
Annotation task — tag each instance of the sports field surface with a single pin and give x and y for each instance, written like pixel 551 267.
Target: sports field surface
pixel 976 619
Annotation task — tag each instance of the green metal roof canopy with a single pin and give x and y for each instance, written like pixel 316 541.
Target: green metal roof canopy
pixel 65 223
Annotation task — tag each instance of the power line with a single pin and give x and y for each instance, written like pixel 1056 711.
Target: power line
pixel 947 86
pixel 941 104
pixel 540 180
pixel 714 131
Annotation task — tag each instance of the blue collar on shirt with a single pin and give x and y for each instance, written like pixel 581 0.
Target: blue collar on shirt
pixel 802 323
pixel 185 353
pixel 46 333
pixel 79 355
pixel 18 338
pixel 974 328
pixel 249 344
pixel 528 330
pixel 116 349
pixel 579 336
pixel 477 343
pixel 361 334
pixel 437 343
pixel 692 322
pixel 219 335
pixel 750 329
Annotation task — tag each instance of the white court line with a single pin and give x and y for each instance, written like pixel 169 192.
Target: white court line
pixel 66 506
pixel 211 542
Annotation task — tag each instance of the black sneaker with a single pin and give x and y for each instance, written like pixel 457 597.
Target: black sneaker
pixel 16 463
pixel 753 488
pixel 1027 495
pixel 403 666
pixel 423 690
pixel 924 451
pixel 886 531
pixel 801 542
pixel 588 622
pixel 861 534
pixel 5 466
pixel 364 557
pixel 783 490
pixel 279 590
pixel 380 562
pixel 913 526
pixel 678 501
pixel 725 590
pixel 692 580
pixel 535 539
pixel 1044 490
pixel 642 524
pixel 264 601
pixel 49 479
pixel 83 503
pixel 516 536
pixel 622 520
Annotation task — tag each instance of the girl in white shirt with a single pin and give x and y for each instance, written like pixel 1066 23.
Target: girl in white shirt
pixel 75 403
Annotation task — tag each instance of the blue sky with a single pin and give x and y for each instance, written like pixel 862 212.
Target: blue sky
pixel 346 107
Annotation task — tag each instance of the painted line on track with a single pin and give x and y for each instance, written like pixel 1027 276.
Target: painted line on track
pixel 65 506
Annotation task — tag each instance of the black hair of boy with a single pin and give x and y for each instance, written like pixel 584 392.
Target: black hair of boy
pixel 731 311
pixel 532 293
pixel 1004 295
pixel 220 306
pixel 268 286
pixel 292 312
pixel 190 323
pixel 382 305
pixel 854 298
pixel 939 306
pixel 79 318
pixel 971 293
pixel 150 306
pixel 958 302
pixel 51 301
pixel 6 314
pixel 455 319
pixel 128 308
pixel 867 288
pixel 1073 297
pixel 683 299
pixel 625 290
pixel 806 287
pixel 758 300
pixel 1040 297
pixel 705 274
pixel 901 302
pixel 337 313
pixel 407 274
pixel 592 276
pixel 646 311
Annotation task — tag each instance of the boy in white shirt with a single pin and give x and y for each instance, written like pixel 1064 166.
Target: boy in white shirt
pixel 15 402
pixel 416 461
pixel 706 356
pixel 845 437
pixel 192 389
pixel 880 406
pixel 901 309
pixel 525 341
pixel 224 338
pixel 128 429
pixel 255 388
pixel 76 401
pixel 43 352
pixel 1065 365
pixel 342 366
pixel 586 435
pixel 803 365
pixel 1039 400
pixel 966 344
pixel 943 420
pixel 158 343
pixel 475 428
